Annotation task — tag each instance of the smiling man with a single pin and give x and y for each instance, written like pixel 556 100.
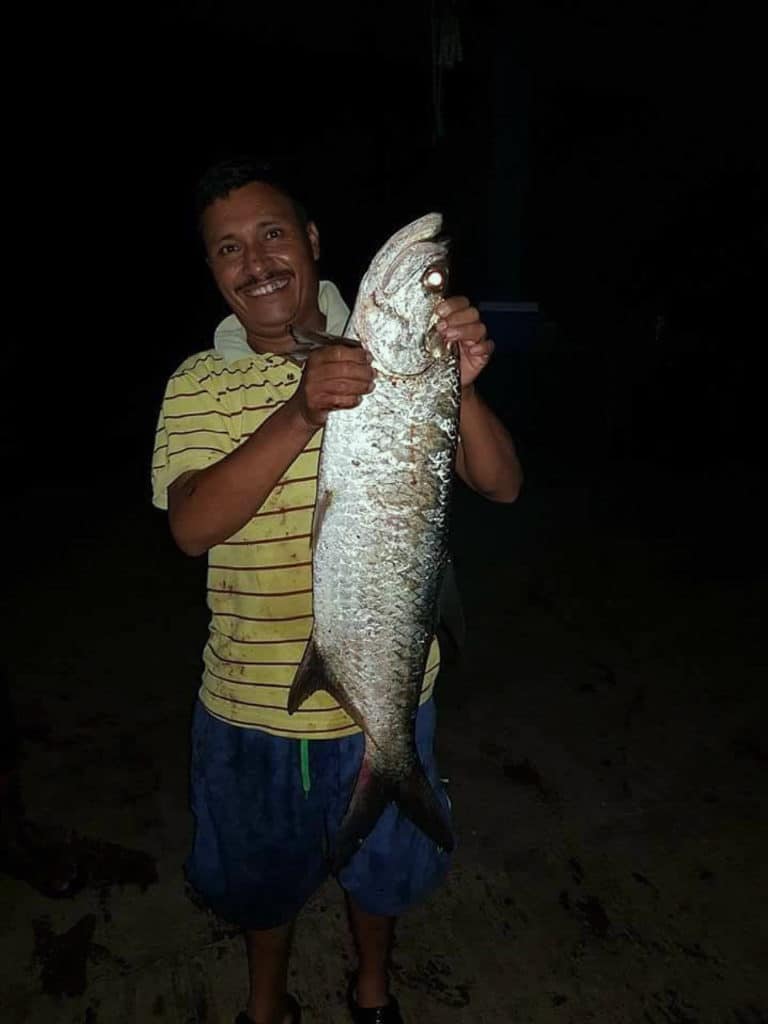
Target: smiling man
pixel 235 465
pixel 263 253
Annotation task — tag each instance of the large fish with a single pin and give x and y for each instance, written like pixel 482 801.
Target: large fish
pixel 380 532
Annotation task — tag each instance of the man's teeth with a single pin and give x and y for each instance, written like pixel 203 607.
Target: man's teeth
pixel 268 287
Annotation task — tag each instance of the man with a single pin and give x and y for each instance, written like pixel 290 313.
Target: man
pixel 235 464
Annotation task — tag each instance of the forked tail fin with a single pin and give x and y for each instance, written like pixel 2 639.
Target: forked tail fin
pixel 414 796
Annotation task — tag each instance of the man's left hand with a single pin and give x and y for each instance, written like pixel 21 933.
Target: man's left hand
pixel 460 325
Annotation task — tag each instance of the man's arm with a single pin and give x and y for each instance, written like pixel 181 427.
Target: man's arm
pixel 207 506
pixel 486 459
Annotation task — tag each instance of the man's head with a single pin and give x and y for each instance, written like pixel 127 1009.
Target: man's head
pixel 262 250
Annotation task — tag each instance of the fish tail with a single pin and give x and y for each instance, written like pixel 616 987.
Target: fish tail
pixel 418 801
pixel 415 798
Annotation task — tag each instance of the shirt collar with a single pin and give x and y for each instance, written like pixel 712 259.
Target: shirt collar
pixel 230 341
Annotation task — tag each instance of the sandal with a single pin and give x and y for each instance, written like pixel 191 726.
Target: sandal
pixel 388 1014
pixel 290 1006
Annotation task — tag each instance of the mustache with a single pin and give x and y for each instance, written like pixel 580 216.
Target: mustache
pixel 253 281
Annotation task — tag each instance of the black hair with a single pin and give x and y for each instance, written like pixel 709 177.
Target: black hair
pixel 227 175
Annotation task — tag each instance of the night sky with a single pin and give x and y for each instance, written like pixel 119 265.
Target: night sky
pixel 602 160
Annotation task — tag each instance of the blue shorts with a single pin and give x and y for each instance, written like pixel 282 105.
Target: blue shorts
pixel 261 841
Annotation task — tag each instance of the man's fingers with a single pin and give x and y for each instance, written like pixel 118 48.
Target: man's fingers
pixel 342 371
pixel 344 387
pixel 329 402
pixel 339 362
pixel 346 401
pixel 451 306
pixel 460 318
pixel 476 349
pixel 341 354
pixel 470 334
pixel 359 384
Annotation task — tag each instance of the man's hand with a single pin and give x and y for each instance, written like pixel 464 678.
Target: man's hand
pixel 460 324
pixel 334 377
pixel 208 506
pixel 486 459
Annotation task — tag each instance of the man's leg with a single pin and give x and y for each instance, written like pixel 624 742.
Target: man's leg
pixel 373 936
pixel 396 868
pixel 257 853
pixel 268 953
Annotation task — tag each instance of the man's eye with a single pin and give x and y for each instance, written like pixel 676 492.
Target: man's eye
pixel 227 250
pixel 273 233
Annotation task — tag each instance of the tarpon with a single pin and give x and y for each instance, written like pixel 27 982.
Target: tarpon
pixel 380 532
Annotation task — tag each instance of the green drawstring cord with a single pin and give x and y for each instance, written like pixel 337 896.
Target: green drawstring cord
pixel 306 782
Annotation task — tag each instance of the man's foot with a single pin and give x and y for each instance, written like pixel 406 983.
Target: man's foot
pixel 291 1014
pixel 387 1014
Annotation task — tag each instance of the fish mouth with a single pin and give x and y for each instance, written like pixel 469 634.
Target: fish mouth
pixel 405 283
pixel 431 254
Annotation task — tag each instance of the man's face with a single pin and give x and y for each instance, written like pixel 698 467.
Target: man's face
pixel 263 261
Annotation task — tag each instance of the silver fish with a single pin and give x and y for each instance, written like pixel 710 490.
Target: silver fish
pixel 380 532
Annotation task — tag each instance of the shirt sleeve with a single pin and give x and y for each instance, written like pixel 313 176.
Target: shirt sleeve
pixel 192 432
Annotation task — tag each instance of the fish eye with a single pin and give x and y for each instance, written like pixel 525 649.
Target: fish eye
pixel 433 279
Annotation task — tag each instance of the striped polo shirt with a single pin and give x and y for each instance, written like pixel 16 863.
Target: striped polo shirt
pixel 260 579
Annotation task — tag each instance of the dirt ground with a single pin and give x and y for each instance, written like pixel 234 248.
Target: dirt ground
pixel 604 736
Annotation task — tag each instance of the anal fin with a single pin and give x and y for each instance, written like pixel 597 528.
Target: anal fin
pixel 308 340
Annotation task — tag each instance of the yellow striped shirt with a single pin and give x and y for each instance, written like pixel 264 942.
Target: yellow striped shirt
pixel 260 579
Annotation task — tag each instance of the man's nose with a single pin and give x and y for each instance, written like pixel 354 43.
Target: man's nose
pixel 255 258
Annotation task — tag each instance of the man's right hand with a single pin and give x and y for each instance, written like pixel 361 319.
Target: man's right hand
pixel 334 377
pixel 208 506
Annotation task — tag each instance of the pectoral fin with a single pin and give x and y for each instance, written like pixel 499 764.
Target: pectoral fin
pixel 309 678
pixel 308 340
pixel 321 507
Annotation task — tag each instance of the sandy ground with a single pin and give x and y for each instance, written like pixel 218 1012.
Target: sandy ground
pixel 604 738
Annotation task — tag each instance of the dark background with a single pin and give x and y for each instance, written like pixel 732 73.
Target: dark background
pixel 602 160
pixel 604 731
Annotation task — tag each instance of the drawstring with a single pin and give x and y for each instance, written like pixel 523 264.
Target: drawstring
pixel 306 782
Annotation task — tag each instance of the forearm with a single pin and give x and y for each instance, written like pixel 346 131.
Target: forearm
pixel 486 459
pixel 207 507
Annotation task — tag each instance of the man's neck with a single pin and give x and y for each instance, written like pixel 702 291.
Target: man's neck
pixel 282 341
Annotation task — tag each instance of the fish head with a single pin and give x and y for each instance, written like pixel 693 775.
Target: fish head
pixel 395 313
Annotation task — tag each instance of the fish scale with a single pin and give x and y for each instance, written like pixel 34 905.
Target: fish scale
pixel 380 535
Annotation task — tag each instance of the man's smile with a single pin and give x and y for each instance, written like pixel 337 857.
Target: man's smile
pixel 254 290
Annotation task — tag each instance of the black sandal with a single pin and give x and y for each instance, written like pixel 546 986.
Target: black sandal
pixel 290 1005
pixel 388 1014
